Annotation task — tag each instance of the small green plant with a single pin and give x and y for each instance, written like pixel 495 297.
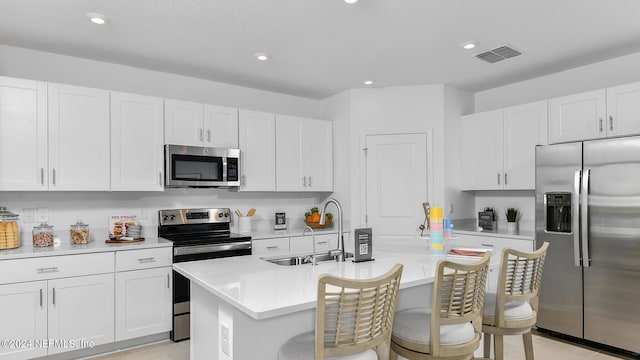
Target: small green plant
pixel 512 214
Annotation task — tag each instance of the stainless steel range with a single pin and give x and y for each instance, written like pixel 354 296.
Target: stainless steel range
pixel 197 234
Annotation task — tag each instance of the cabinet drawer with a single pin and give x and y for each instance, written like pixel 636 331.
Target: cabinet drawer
pixel 52 267
pixel 143 259
pixel 324 242
pixel 270 246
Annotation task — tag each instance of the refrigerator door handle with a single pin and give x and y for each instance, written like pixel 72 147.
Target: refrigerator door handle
pixel 584 214
pixel 575 219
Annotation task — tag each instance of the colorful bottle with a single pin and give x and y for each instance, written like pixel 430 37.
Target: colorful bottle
pixel 437 233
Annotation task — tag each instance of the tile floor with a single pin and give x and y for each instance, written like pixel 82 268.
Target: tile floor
pixel 545 348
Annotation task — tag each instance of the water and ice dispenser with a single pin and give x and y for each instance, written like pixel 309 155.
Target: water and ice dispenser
pixel 558 207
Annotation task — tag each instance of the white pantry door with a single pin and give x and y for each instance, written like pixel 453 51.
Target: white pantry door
pixel 396 183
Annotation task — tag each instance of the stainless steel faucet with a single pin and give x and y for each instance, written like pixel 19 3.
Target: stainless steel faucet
pixel 341 255
pixel 313 237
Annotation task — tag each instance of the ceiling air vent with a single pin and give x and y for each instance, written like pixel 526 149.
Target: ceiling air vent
pixel 498 54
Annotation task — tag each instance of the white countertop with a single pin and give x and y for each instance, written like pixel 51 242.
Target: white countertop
pixel 66 248
pixel 263 290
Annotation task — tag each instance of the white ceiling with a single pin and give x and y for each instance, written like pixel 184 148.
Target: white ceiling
pixel 322 47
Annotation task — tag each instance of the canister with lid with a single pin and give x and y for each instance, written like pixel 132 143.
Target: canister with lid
pixel 43 235
pixel 9 229
pixel 79 233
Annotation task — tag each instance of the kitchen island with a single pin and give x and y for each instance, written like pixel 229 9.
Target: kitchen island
pixel 245 307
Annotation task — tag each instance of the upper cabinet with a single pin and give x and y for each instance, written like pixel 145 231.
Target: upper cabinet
pixel 195 124
pixel 78 138
pixel 23 135
pixel 257 135
pixel 304 154
pixel 137 161
pixel 596 114
pixel 499 147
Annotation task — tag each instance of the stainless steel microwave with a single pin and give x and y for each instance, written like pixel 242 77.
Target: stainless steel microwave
pixel 194 166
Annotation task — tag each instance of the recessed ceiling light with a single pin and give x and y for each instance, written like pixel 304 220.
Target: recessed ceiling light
pixel 261 56
pixel 96 18
pixel 368 81
pixel 350 1
pixel 468 45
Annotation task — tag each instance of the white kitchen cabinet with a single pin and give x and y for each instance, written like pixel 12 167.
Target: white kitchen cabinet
pixel 499 147
pixel 257 151
pixel 23 135
pixel 271 246
pixel 577 117
pixel 324 243
pixel 195 124
pixel 78 138
pixel 304 154
pixel 496 244
pixel 81 309
pixel 623 110
pixel 137 157
pixel 143 302
pixel 23 310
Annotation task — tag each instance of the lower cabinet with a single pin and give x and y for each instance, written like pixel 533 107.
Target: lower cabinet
pixel 270 246
pixel 23 310
pixel 80 312
pixel 143 302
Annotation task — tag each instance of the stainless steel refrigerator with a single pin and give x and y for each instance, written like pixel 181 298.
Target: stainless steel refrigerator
pixel 588 209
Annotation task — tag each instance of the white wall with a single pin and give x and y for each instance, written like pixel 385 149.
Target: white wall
pixel 39 65
pixel 618 71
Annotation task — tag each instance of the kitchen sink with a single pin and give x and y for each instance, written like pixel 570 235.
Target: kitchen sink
pixel 301 259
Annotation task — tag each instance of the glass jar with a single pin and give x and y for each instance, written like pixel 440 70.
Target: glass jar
pixel 9 229
pixel 79 233
pixel 43 235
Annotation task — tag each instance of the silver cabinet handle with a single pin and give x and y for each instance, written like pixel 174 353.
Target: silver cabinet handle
pixel 309 181
pixel 53 292
pixel 209 135
pixel 274 247
pixel 54 177
pixel 610 122
pixel 600 124
pixel 243 181
pixel 168 284
pixel 41 298
pixel 487 245
pixel 575 220
pixel 304 181
pixel 498 178
pixel 42 176
pixel 584 203
pixel 322 242
pixel 160 178
pixel 146 260
pixel 200 134
pixel 505 179
pixel 48 270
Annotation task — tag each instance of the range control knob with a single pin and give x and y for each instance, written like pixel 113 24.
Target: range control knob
pixel 220 215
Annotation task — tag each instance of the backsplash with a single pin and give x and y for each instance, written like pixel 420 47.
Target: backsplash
pixel 94 208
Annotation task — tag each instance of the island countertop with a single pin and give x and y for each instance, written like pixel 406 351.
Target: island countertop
pixel 263 290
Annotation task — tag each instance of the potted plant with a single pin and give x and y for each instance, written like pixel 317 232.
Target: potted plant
pixel 513 215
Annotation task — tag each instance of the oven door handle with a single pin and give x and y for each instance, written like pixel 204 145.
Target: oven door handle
pixel 203 249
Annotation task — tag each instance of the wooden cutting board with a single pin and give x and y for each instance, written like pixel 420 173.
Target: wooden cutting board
pixel 120 241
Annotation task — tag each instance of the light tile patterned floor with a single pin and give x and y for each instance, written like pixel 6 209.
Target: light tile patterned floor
pixel 545 348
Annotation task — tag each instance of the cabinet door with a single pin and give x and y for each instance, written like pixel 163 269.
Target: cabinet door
pixel 525 126
pixel 291 148
pixel 577 117
pixel 23 135
pixel 78 138
pixel 220 127
pixel 270 246
pixel 623 110
pixel 319 159
pixel 183 123
pixel 23 310
pixel 486 146
pixel 143 302
pixel 257 140
pixel 81 311
pixel 137 160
